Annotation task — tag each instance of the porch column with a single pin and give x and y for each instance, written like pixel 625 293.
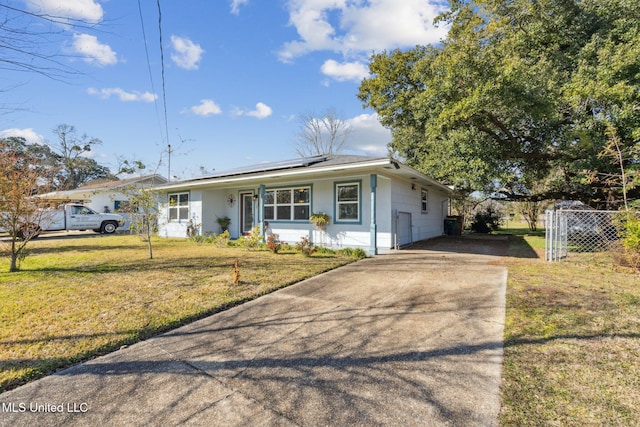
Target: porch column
pixel 373 232
pixel 261 211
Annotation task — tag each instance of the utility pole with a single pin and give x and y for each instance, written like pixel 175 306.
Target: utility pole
pixel 169 163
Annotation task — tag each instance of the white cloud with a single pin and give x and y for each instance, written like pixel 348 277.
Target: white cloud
pixel 354 27
pixel 83 10
pixel 354 71
pixel 187 54
pixel 206 108
pixel 368 135
pixel 28 134
pixel 92 51
pixel 123 95
pixel 235 5
pixel 262 111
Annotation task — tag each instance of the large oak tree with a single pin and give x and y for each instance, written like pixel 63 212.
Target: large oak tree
pixel 528 97
pixel 65 164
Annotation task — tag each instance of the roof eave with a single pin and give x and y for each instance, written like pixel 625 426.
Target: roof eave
pixel 430 181
pixel 280 173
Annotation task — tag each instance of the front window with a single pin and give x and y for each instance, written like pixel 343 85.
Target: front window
pixel 287 204
pixel 348 202
pixel 179 207
pixel 81 210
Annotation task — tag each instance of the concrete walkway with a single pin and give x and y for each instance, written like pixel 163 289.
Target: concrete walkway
pixel 409 338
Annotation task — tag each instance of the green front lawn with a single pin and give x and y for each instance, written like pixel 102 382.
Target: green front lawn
pixel 78 298
pixel 572 333
pixel 572 340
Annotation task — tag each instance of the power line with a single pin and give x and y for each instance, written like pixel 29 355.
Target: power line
pixel 164 92
pixel 146 50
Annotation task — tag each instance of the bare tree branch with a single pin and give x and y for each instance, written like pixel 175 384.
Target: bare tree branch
pixel 321 135
pixel 30 42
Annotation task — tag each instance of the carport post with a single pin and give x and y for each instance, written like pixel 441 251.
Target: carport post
pixel 261 212
pixel 373 238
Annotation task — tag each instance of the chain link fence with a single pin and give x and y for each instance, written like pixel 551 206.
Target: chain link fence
pixel 578 230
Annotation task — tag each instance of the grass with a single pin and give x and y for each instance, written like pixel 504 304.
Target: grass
pixel 572 340
pixel 572 332
pixel 78 298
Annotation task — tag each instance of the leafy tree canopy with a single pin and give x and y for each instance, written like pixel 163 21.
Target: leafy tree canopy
pixel 63 165
pixel 522 96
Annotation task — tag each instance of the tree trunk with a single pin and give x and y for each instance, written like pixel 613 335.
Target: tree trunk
pixel 14 263
pixel 149 244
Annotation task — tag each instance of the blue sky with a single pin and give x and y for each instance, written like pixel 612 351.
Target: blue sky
pixel 238 73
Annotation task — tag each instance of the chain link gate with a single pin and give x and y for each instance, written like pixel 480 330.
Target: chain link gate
pixel 577 230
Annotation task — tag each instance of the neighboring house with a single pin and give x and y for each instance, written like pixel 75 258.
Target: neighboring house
pixel 374 203
pixel 105 196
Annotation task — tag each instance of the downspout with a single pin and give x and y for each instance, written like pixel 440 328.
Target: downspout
pixel 373 232
pixel 261 212
pixel 443 214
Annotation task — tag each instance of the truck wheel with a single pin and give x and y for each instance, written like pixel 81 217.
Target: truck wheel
pixel 29 231
pixel 109 227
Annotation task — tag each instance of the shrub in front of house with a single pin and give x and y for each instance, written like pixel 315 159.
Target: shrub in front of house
pixel 355 253
pixel 273 243
pixel 222 240
pixel 305 247
pixel 323 250
pixel 252 241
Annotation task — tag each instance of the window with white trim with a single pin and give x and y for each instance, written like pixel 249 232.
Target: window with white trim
pixel 178 207
pixel 287 204
pixel 348 201
pixel 424 200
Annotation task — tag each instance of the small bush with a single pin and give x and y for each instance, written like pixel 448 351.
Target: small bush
pixel 486 220
pixel 359 253
pixel 354 253
pixel 273 243
pixel 253 240
pixel 345 251
pixel 305 247
pixel 628 227
pixel 221 240
pixel 324 250
pixel 197 239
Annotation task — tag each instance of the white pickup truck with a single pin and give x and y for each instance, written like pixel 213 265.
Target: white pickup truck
pixel 72 217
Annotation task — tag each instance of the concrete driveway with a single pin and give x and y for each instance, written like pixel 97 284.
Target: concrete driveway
pixel 409 338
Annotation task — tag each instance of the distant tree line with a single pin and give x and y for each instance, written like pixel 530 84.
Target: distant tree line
pixel 63 165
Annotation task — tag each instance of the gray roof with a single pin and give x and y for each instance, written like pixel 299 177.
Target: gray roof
pixel 333 162
pixel 302 162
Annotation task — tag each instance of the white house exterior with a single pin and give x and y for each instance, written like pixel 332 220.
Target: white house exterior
pixel 374 203
pixel 104 196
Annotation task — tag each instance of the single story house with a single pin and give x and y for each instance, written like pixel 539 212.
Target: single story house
pixel 106 196
pixel 376 204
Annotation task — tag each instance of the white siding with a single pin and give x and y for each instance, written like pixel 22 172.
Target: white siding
pixel 392 195
pixel 214 206
pixel 408 199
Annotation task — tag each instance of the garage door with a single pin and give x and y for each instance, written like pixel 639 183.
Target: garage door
pixel 403 229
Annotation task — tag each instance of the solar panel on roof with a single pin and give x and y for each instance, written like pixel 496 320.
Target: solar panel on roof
pixel 283 164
